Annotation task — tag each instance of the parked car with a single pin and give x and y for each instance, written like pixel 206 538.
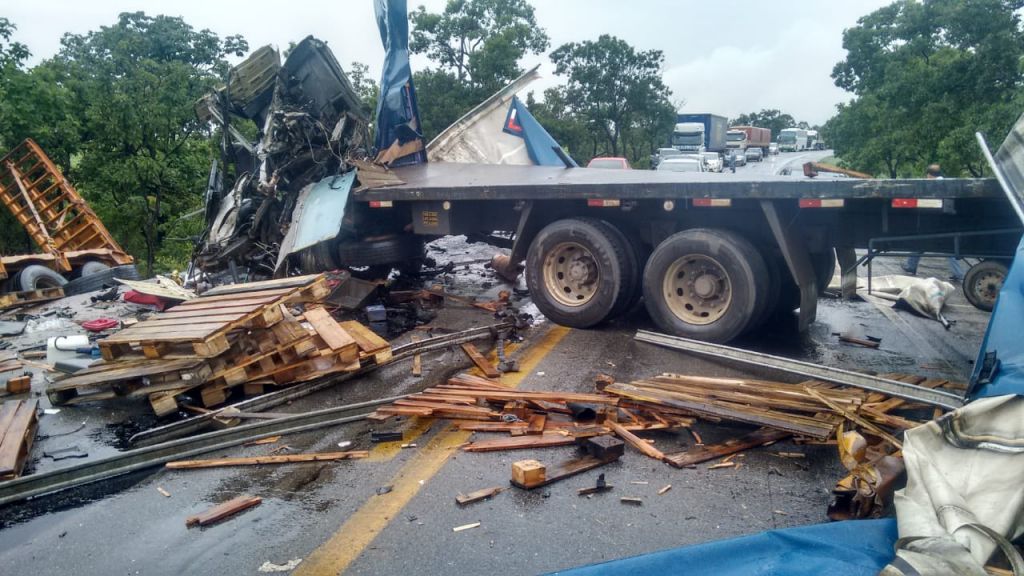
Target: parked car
pixel 712 161
pixel 736 156
pixel 773 148
pixel 754 155
pixel 610 162
pixel 682 164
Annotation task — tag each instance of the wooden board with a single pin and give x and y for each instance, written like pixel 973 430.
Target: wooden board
pixel 370 344
pixel 698 454
pixel 244 288
pixel 13 299
pixel 18 423
pixel 481 363
pixel 328 328
pixel 563 470
pixel 259 460
pixel 520 442
pixel 222 511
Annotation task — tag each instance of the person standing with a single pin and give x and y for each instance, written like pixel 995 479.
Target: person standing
pixel 934 172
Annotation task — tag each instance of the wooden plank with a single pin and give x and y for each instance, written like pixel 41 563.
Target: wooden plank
pixel 18 439
pixel 509 395
pixel 857 419
pixel 417 359
pixel 367 340
pixel 260 460
pixel 222 511
pixel 478 495
pixel 536 425
pixel 562 471
pixel 293 282
pixel 108 373
pixel 481 363
pixel 635 441
pixel 698 454
pixel 520 442
pixel 328 329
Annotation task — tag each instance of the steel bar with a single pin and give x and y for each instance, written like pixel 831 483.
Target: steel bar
pixel 201 422
pixel 141 458
pixel 825 373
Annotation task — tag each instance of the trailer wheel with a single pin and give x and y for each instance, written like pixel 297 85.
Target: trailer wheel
pixel 574 272
pixel 89 268
pixel 706 284
pixel 392 249
pixel 983 282
pixel 102 279
pixel 36 277
pixel 631 260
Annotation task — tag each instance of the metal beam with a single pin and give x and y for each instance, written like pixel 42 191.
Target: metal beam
pixel 798 260
pixel 141 458
pixel 806 369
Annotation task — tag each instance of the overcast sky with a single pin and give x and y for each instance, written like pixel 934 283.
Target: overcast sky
pixel 726 57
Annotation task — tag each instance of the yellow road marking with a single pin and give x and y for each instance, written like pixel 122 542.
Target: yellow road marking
pixel 362 527
pixel 418 426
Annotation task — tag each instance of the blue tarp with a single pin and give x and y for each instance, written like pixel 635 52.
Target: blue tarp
pixel 1002 336
pixel 851 548
pixel 539 144
pixel 398 115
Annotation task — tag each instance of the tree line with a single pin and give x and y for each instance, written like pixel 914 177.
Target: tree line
pixel 114 107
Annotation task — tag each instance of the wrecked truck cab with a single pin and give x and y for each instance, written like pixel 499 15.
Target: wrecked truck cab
pixel 311 123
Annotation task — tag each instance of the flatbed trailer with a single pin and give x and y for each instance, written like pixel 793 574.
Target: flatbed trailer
pixel 713 255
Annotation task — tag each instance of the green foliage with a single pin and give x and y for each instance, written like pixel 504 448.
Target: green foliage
pixel 616 94
pixel 479 42
pixel 367 88
pixel 774 120
pixel 926 76
pixel 476 45
pixel 144 155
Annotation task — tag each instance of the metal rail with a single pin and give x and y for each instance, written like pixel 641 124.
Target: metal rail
pixel 201 422
pixel 828 374
pixel 141 458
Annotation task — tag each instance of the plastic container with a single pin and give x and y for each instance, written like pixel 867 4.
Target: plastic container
pixel 65 347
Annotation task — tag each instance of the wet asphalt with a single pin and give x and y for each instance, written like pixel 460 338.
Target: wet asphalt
pixel 126 526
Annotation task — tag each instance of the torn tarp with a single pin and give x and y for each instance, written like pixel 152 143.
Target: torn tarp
pixel 399 139
pixel 542 148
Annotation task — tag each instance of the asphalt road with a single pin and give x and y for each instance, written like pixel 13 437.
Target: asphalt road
pixel 341 517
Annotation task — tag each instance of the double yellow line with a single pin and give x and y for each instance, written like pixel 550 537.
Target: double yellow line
pixel 340 550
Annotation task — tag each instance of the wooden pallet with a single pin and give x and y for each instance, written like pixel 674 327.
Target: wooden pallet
pixel 372 348
pixel 12 299
pixel 18 423
pixel 204 323
pixel 134 377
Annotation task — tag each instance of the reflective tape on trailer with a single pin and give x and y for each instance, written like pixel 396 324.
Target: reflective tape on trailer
pixel 605 203
pixel 712 202
pixel 381 203
pixel 917 203
pixel 822 202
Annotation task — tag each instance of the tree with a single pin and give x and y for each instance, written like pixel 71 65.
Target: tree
pixel 771 118
pixel 617 92
pixel 367 88
pixel 476 46
pixel 926 75
pixel 144 155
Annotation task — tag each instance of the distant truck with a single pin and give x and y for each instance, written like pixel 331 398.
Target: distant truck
pixel 698 133
pixel 812 140
pixel 743 137
pixel 792 140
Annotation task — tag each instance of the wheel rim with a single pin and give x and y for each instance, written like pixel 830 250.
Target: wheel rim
pixel 987 286
pixel 697 289
pixel 571 274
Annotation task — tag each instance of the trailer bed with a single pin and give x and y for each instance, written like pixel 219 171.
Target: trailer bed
pixel 439 181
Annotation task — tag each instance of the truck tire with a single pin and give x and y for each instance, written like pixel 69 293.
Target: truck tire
pixel 631 269
pixel 89 268
pixel 36 277
pixel 100 280
pixel 707 284
pixel 574 272
pixel 382 250
pixel 773 292
pixel 982 283
pixel 824 264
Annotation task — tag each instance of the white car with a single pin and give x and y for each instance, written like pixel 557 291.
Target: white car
pixel 682 164
pixel 712 161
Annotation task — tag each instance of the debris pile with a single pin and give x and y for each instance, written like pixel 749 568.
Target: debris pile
pixel 235 335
